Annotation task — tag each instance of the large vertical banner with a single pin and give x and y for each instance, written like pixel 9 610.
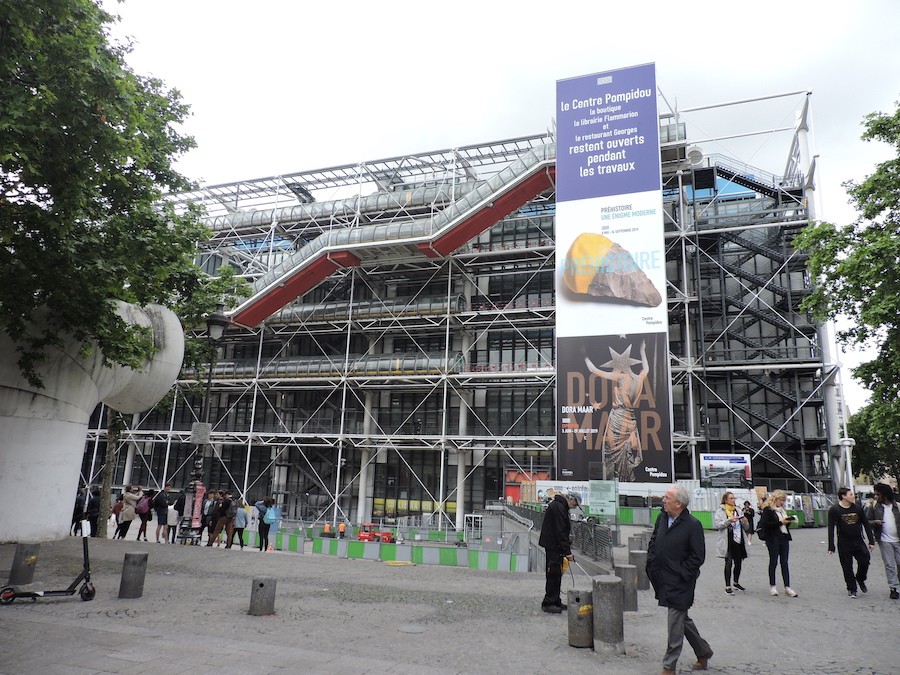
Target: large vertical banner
pixel 612 379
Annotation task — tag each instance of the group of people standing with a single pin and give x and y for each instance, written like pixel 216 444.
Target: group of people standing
pixel 138 504
pixel 677 551
pixel 225 516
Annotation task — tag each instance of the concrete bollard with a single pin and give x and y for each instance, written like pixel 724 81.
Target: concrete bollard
pixel 635 543
pixel 639 560
pixel 581 618
pixel 609 619
pixel 24 561
pixel 262 596
pixel 628 575
pixel 134 569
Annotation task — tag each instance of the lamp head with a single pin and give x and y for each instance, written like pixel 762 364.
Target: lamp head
pixel 216 323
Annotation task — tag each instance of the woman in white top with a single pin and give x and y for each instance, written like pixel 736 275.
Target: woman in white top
pixel 731 524
pixel 774 523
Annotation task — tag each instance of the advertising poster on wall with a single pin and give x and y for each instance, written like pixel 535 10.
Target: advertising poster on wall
pixel 725 470
pixel 614 419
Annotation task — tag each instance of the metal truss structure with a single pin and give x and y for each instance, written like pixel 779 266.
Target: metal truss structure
pixel 402 326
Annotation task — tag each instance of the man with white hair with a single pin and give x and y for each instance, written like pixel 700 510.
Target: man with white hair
pixel 555 531
pixel 676 552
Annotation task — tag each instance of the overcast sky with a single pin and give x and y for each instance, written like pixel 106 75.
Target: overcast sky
pixel 280 87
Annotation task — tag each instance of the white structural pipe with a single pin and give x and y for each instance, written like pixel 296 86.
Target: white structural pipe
pixel 44 430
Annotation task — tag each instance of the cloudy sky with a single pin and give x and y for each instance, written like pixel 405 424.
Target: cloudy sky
pixel 284 86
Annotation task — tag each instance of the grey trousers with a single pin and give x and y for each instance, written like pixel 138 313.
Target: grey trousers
pixel 890 555
pixel 682 626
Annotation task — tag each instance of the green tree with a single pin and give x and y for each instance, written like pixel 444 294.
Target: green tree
pixel 87 148
pixel 857 273
pixel 874 455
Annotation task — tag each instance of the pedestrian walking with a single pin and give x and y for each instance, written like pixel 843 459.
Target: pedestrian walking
pixel 555 531
pixel 78 511
pixel 262 506
pixel 273 518
pixel 885 520
pixel 93 510
pixel 675 554
pixel 240 522
pixel 750 515
pixel 161 507
pixel 850 521
pixel 730 525
pixel 225 512
pixel 127 514
pixel 775 522
pixel 116 513
pixel 144 511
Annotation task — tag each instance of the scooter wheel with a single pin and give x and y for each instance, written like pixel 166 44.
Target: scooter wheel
pixel 87 592
pixel 7 595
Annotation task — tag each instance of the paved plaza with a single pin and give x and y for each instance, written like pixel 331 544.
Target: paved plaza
pixel 356 616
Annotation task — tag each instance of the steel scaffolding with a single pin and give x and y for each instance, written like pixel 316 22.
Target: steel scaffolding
pixel 402 325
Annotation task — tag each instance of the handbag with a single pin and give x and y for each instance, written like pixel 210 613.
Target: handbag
pixel 143 504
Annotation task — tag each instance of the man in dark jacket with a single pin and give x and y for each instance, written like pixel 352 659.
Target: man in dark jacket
pixel 555 541
pixel 676 552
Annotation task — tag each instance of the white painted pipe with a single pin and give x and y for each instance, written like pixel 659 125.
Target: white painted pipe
pixel 44 430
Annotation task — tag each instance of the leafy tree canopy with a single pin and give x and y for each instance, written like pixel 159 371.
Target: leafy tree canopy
pixel 86 153
pixel 857 269
pixel 876 451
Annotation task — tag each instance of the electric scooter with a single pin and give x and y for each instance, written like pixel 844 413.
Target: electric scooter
pixel 86 592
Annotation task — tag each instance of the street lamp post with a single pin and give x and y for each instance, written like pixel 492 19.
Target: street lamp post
pixel 190 530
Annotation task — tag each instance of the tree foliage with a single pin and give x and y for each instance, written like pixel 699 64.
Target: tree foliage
pixel 876 452
pixel 857 272
pixel 87 148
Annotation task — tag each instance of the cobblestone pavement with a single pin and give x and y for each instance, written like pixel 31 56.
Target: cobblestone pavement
pixel 353 616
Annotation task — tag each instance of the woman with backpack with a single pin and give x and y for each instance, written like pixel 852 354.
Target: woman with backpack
pixel 262 507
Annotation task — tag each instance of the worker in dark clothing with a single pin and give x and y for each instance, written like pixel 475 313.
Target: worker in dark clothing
pixel 850 520
pixel 554 539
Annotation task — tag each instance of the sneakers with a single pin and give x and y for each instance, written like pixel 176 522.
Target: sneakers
pixel 894 594
pixel 773 590
pixel 729 590
pixel 862 585
pixel 852 594
pixel 790 592
pixel 739 587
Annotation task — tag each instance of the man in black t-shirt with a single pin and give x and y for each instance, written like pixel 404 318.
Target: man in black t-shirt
pixel 850 521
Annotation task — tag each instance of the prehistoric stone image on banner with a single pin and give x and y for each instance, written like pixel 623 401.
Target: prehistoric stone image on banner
pixel 613 397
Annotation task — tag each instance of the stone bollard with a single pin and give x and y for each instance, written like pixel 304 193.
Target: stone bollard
pixel 24 561
pixel 134 569
pixel 609 619
pixel 628 575
pixel 581 618
pixel 639 560
pixel 635 543
pixel 262 596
